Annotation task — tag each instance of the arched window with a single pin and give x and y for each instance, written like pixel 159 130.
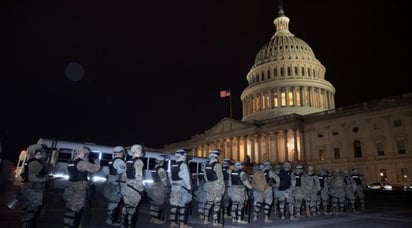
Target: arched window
pixel 357 149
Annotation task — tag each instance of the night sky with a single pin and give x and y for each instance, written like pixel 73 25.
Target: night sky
pixel 150 72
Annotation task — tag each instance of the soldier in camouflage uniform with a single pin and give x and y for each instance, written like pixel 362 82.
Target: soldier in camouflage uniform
pixel 312 188
pixel 181 190
pixel 76 192
pixel 286 186
pixel 323 195
pixel 267 196
pixel 132 188
pixel 226 177
pixel 337 183
pixel 299 191
pixel 350 188
pixel 34 178
pixel 360 187
pixel 201 192
pixel 275 186
pixel 216 187
pixel 158 192
pixel 239 181
pixel 117 166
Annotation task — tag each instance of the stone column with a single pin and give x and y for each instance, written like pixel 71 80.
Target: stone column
pixel 252 149
pixel 285 135
pixel 275 145
pixel 295 140
pixel 287 96
pixel 295 100
pixel 244 147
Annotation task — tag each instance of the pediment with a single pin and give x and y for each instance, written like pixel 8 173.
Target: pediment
pixel 226 125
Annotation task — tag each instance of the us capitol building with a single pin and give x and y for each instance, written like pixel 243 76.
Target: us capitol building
pixel 289 114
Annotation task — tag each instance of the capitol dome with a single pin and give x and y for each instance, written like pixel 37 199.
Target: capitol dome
pixel 286 78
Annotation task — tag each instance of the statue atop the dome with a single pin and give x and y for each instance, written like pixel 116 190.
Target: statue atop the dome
pixel 280 8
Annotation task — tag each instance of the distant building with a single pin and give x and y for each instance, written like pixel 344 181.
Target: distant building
pixel 289 114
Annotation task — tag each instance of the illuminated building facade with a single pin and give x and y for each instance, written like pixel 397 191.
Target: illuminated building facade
pixel 289 114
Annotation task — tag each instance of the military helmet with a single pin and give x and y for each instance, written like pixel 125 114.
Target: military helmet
pixel 119 150
pixel 287 165
pixel 355 171
pixel 135 148
pixel 214 154
pixel 299 166
pixel 33 149
pixel 256 168
pixel 238 165
pixel 267 165
pixel 160 160
pixel 226 162
pixel 310 170
pixel 86 150
pixel 180 153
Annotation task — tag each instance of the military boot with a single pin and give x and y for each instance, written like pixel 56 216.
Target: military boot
pixel 255 216
pixel 174 225
pixel 182 225
pixel 216 224
pixel 267 220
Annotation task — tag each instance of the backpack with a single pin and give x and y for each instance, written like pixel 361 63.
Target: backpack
pixel 259 181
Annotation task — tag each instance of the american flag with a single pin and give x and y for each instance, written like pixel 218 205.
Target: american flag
pixel 225 93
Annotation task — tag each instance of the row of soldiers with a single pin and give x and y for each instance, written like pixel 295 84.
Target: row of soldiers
pixel 223 187
pixel 124 188
pixel 290 192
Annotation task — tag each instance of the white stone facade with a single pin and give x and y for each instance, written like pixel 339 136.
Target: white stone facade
pixel 289 114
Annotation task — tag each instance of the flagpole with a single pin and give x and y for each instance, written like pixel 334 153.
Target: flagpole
pixel 230 101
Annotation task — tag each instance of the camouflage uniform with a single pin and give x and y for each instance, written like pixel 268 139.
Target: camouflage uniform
pixel 337 191
pixel 34 177
pixel 158 192
pixel 275 186
pixel 201 192
pixel 132 189
pixel 360 186
pixel 350 188
pixel 76 191
pixel 181 190
pixel 312 188
pixel 112 189
pixel 299 192
pixel 267 196
pixel 286 186
pixel 226 177
pixel 323 196
pixel 237 192
pixel 216 187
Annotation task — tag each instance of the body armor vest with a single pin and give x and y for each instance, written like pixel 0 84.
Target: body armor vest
pixel 74 173
pixel 130 170
pixel 155 175
pixel 285 181
pixel 225 173
pixel 357 179
pixel 322 181
pixel 298 180
pixel 268 179
pixel 25 173
pixel 176 170
pixel 112 170
pixel 235 175
pixel 210 173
